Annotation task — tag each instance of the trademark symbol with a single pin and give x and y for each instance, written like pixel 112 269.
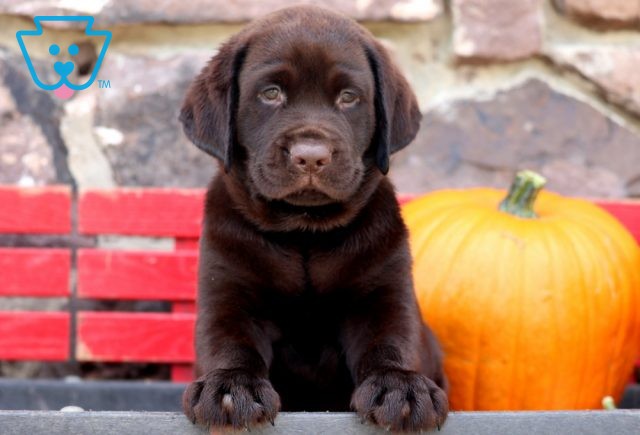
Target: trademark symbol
pixel 104 84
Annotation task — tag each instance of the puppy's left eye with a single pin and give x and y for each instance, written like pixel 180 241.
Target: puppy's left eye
pixel 348 99
pixel 272 95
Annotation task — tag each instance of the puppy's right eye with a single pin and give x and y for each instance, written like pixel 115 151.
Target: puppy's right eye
pixel 272 95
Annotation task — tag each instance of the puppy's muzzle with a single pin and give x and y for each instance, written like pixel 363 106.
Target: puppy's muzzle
pixel 310 157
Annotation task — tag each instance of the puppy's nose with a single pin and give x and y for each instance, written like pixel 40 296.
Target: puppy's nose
pixel 310 157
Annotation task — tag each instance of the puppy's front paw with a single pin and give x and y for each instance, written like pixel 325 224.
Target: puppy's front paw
pixel 401 400
pixel 230 398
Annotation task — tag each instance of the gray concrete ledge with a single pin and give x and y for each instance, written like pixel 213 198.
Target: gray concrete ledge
pixel 620 422
pixel 54 394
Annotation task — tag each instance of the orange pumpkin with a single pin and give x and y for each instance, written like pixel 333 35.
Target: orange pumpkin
pixel 537 306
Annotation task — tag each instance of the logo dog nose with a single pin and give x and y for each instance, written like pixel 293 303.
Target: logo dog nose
pixel 310 157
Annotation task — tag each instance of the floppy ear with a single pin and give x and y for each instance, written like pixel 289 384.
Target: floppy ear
pixel 397 113
pixel 208 113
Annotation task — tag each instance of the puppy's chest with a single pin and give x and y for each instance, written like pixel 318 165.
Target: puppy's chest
pixel 307 322
pixel 312 276
pixel 311 289
pixel 308 301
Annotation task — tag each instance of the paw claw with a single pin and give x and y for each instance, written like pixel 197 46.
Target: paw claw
pixel 230 398
pixel 400 400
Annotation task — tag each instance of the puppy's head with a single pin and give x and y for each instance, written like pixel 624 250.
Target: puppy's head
pixel 303 105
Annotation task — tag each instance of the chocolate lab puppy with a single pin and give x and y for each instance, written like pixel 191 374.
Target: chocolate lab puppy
pixel 305 298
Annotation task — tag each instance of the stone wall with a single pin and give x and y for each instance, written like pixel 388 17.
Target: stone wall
pixel 503 85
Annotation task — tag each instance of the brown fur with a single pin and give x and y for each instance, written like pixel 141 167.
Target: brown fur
pixel 305 297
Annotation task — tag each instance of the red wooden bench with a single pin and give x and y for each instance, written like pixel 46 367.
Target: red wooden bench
pixel 102 274
pixel 140 275
pixel 35 273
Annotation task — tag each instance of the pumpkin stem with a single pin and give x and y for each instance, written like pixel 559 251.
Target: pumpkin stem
pixel 522 194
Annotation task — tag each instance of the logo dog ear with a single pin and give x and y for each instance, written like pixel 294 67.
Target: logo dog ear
pixel 397 113
pixel 208 113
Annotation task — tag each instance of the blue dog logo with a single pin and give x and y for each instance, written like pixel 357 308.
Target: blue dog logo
pixel 63 88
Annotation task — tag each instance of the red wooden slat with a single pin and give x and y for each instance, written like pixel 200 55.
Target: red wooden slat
pixel 627 212
pixel 403 198
pixel 183 307
pixel 141 337
pixel 182 243
pixel 104 274
pixel 146 212
pixel 43 210
pixel 34 272
pixel 33 335
pixel 182 372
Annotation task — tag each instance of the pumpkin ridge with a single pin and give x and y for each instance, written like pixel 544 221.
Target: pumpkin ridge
pixel 615 292
pixel 473 229
pixel 451 257
pixel 458 249
pixel 554 281
pixel 576 262
pixel 520 319
pixel 604 268
pixel 511 400
pixel 432 202
pixel 621 335
pixel 536 301
pixel 617 255
pixel 590 277
pixel 432 228
pixel 452 222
